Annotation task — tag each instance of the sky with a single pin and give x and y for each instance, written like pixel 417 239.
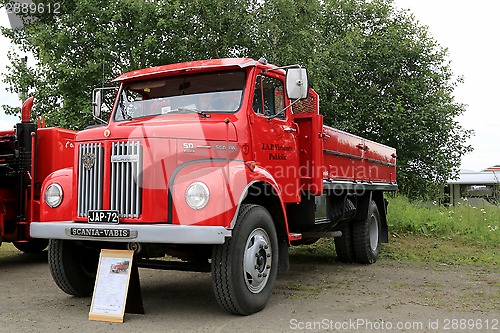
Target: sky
pixel 468 29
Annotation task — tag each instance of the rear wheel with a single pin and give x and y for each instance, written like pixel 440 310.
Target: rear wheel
pixel 244 268
pixel 343 245
pixel 366 236
pixel 73 266
pixel 32 246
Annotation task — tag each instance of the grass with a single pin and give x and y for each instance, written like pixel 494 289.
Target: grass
pixel 478 225
pixel 7 249
pixel 428 233
pixel 448 235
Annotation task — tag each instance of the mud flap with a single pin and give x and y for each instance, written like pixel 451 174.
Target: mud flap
pixel 284 256
pixel 362 205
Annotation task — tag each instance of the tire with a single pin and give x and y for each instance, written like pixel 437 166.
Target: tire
pixel 244 268
pixel 32 246
pixel 73 267
pixel 366 236
pixel 343 245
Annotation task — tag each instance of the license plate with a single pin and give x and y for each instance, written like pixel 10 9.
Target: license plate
pixel 103 216
pixel 100 232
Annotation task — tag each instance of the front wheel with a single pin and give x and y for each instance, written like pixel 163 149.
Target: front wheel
pixel 73 266
pixel 244 268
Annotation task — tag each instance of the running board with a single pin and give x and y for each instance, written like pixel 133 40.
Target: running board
pixel 330 234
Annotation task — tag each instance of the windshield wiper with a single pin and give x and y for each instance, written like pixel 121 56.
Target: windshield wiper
pixel 203 114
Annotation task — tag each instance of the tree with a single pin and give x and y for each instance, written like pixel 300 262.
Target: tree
pixel 378 72
pixel 388 80
pixel 90 42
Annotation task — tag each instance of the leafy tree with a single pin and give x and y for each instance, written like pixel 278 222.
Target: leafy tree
pixel 378 72
pixel 391 82
pixel 90 42
pixel 380 75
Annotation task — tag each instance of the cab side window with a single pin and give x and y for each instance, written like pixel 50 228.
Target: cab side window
pixel 268 97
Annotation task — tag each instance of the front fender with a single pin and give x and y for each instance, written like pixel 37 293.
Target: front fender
pixel 63 177
pixel 258 176
pixel 228 184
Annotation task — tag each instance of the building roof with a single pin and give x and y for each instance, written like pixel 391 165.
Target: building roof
pixel 477 178
pixel 493 168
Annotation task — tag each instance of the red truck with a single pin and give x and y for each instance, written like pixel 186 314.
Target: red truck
pixel 223 164
pixel 28 154
pixel 120 267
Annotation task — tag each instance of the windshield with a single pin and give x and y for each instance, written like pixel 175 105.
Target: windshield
pixel 202 93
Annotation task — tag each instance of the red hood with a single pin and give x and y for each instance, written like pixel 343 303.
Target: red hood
pixel 163 127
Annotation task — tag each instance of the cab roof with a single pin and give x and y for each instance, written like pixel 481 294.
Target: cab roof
pixel 199 65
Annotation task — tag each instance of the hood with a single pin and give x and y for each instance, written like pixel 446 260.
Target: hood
pixel 163 127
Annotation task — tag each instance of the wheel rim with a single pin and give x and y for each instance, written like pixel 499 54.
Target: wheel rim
pixel 257 261
pixel 373 230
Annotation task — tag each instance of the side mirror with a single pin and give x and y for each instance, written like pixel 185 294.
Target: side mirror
pixel 97 103
pixel 297 83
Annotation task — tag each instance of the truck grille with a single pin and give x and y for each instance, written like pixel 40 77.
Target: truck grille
pixel 126 170
pixel 90 178
pixel 125 178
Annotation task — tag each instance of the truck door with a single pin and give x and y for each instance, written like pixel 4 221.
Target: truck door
pixel 275 135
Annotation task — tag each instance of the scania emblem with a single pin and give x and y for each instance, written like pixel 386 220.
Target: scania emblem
pixel 88 160
pixel 107 133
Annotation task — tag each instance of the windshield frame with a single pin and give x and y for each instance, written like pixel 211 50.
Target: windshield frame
pixel 119 116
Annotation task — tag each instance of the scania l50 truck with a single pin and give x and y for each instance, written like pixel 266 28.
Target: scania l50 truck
pixel 223 164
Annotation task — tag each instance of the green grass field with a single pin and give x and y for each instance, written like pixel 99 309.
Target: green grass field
pixel 478 225
pixel 452 235
pixel 428 233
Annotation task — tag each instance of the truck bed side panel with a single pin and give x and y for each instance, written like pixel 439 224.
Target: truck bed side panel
pixel 353 158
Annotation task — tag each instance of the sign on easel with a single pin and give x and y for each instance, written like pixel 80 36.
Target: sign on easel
pixel 111 286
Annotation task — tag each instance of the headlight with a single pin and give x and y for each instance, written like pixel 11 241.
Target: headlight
pixel 197 195
pixel 53 195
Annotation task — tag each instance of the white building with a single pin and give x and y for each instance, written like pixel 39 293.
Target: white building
pixel 479 187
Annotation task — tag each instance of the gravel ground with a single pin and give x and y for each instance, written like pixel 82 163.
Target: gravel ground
pixel 315 295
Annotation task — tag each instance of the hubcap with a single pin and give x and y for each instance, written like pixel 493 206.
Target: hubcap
pixel 257 260
pixel 373 230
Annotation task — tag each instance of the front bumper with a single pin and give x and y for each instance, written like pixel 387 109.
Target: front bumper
pixel 149 233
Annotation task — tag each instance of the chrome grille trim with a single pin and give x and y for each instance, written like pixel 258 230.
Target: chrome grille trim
pixel 126 178
pixel 90 178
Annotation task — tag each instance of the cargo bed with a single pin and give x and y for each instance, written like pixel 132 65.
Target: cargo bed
pixel 350 159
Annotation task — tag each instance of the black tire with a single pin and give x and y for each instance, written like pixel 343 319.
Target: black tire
pixel 73 267
pixel 343 245
pixel 244 268
pixel 366 236
pixel 32 246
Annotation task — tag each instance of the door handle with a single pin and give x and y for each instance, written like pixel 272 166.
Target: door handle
pixel 289 129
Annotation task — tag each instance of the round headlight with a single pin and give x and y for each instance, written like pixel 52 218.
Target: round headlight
pixel 53 195
pixel 197 195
